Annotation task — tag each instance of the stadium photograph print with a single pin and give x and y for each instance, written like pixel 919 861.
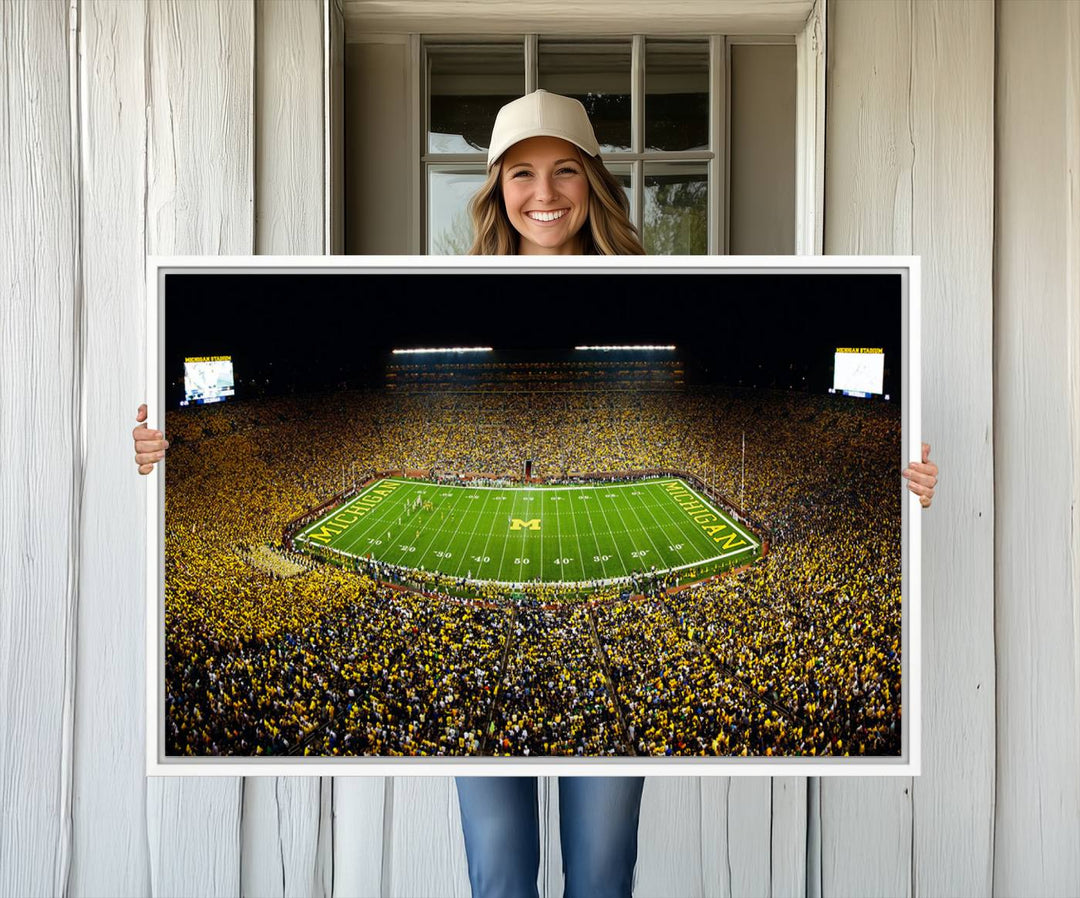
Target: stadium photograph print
pixel 538 545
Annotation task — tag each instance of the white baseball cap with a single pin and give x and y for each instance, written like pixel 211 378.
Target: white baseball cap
pixel 541 114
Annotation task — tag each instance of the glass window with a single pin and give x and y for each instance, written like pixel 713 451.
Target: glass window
pixel 449 190
pixel 676 208
pixel 648 99
pixel 676 95
pixel 624 174
pixel 597 74
pixel 467 85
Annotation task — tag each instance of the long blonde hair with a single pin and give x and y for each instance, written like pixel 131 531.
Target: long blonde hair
pixel 608 230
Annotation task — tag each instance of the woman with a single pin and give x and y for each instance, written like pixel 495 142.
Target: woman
pixel 547 193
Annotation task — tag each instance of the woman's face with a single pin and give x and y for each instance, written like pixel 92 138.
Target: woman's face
pixel 546 195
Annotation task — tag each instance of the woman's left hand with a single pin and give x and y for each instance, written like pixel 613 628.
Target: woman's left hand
pixel 922 477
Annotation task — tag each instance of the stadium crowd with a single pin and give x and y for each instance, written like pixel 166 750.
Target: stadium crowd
pixel 797 654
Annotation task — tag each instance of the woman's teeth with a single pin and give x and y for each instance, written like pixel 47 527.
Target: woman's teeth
pixel 546 216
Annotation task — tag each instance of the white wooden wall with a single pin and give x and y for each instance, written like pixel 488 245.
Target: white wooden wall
pixel 198 127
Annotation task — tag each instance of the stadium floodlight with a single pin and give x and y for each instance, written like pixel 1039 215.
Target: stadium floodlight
pixel 643 347
pixel 444 349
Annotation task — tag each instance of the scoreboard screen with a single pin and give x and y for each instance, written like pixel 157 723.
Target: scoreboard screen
pixel 207 379
pixel 859 372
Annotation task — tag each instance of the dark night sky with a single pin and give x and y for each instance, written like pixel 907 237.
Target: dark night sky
pixel 321 329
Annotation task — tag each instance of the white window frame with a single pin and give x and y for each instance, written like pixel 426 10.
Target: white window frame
pixel 809 42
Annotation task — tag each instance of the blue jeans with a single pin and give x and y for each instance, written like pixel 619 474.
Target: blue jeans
pixel 598 823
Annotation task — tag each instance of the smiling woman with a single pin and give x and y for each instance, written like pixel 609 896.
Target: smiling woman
pixel 547 190
pixel 548 193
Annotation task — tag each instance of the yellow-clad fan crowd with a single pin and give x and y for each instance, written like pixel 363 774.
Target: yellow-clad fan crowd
pixel 796 655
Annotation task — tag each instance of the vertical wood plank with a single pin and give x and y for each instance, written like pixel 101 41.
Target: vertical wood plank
pixel 868 151
pixel 110 853
pixel 909 170
pixel 424 851
pixel 736 836
pixel 1037 814
pixel 670 838
pixel 281 819
pixel 289 127
pixel 865 838
pixel 280 837
pixel 200 182
pixel 551 873
pixel 788 845
pixel 952 126
pixel 360 809
pixel 199 200
pixel 40 451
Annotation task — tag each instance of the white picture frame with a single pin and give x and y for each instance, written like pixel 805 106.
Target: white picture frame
pixel 908 763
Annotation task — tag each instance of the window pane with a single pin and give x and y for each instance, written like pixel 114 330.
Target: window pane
pixel 676 209
pixel 623 174
pixel 597 74
pixel 676 95
pixel 467 85
pixel 449 191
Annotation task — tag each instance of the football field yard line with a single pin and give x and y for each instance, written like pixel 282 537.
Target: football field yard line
pixel 754 542
pixel 577 536
pixel 598 554
pixel 542 534
pixel 384 516
pixel 558 526
pixel 512 575
pixel 506 536
pixel 399 534
pixel 437 531
pixel 662 557
pixel 348 539
pixel 304 533
pixel 680 538
pixel 471 519
pixel 489 525
pixel 681 525
pixel 615 541
pixel 696 533
pixel 394 500
pixel 523 569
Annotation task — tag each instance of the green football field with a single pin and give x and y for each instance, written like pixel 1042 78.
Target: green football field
pixel 528 533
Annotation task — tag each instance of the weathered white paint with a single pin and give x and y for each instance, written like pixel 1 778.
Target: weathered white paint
pixel 289 127
pixel 281 816
pixel 361 805
pixel 424 851
pixel 40 451
pixel 911 159
pixel 670 837
pixel 1037 816
pixel 909 155
pixel 199 200
pixel 952 122
pixel 559 17
pixel 109 812
pixel 810 134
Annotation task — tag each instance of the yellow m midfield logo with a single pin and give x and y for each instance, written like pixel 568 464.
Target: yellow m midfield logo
pixel 518 524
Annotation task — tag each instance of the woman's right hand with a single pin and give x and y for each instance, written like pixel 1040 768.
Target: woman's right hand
pixel 150 445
